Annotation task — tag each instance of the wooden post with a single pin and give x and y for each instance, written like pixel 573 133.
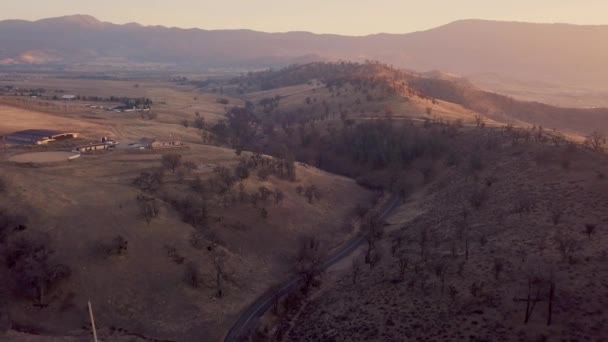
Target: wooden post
pixel 92 322
pixel 551 295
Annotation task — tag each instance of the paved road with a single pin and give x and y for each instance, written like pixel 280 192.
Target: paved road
pixel 253 312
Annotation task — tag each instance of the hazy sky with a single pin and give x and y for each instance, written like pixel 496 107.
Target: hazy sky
pixel 353 17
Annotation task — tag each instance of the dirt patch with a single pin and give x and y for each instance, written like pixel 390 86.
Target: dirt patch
pixel 42 157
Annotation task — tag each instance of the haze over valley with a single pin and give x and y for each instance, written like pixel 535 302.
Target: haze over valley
pixel 510 57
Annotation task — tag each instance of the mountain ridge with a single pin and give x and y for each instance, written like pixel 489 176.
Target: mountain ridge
pixel 557 53
pixel 86 18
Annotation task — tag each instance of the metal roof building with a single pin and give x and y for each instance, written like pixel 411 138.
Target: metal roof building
pixel 39 136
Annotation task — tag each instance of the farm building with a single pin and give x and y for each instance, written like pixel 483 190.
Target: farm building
pixel 157 144
pixel 68 97
pixel 39 136
pixel 93 147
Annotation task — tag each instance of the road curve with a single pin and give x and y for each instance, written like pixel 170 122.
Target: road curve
pixel 256 309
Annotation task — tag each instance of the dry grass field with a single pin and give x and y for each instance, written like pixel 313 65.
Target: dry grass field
pixel 83 204
pixel 172 103
pixel 400 106
pixel 15 119
pixel 501 212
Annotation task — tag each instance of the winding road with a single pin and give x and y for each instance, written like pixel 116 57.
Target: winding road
pixel 255 310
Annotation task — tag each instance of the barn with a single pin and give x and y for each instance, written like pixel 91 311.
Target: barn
pixel 39 136
pixel 93 147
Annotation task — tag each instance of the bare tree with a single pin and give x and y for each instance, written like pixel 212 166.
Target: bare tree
pixel 556 213
pixel 312 193
pixel 118 246
pixel 478 197
pixel 308 260
pixel 373 230
pixel 466 245
pixel 189 166
pixel 402 263
pixel 550 298
pixel 224 178
pixel 396 244
pixel 278 196
pixel 476 289
pixel 461 268
pixel 148 208
pixel 596 141
pixel 523 205
pixel 440 272
pixel 497 267
pixel 480 121
pixel 219 265
pixel 356 268
pixel 29 261
pixel 150 181
pixel 566 245
pixel 541 244
pixel 192 275
pixel 171 161
pixel 423 241
pixel 453 292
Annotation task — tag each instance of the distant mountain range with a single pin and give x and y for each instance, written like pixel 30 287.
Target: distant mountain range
pixel 560 53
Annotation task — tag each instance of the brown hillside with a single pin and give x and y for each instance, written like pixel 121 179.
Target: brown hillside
pixel 524 217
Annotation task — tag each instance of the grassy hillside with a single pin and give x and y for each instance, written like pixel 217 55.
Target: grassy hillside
pixel 174 244
pixel 216 239
pixel 460 258
pixel 376 89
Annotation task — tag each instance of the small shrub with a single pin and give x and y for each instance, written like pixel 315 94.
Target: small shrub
pixel 566 245
pixel 174 255
pixel 523 205
pixel 453 292
pixel 497 267
pixel 197 240
pixel 148 207
pixel 149 181
pixel 189 166
pixel 589 229
pixel 556 214
pixel 192 275
pixel 478 197
pixel 264 213
pixel 118 246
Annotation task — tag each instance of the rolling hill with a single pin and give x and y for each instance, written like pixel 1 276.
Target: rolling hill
pixel 374 89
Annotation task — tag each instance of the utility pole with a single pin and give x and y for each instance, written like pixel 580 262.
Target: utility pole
pixel 530 302
pixel 92 323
